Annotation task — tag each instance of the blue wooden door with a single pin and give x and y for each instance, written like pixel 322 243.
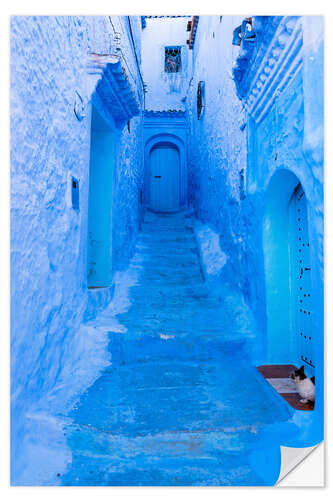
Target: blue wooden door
pixel 302 281
pixel 164 178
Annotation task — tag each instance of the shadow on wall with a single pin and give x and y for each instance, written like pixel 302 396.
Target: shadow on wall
pixel 287 272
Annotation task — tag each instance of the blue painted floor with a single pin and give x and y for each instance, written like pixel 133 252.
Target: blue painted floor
pixel 180 404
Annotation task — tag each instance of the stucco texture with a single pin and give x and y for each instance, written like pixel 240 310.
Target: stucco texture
pixel 49 145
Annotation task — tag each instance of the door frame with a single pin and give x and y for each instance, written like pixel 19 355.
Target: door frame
pixel 278 243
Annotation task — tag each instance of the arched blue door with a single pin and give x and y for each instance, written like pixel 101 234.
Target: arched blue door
pixel 301 283
pixel 164 178
pixel 286 245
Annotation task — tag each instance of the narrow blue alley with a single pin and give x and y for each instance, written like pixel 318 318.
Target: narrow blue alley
pixel 180 404
pixel 167 248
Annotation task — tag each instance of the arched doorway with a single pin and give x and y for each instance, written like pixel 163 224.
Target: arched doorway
pixel 162 150
pixel 164 178
pixel 301 278
pixel 286 245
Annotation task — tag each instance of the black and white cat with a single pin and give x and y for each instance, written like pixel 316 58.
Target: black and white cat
pixel 305 385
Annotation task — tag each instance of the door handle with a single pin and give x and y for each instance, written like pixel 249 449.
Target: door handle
pixel 157 176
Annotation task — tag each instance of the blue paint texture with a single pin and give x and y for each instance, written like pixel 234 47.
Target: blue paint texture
pixel 135 335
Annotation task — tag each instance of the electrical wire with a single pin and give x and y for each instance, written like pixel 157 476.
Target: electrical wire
pixel 134 49
pixel 135 54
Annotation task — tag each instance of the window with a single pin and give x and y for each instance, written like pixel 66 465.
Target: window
pixel 172 60
pixel 75 194
pixel 242 183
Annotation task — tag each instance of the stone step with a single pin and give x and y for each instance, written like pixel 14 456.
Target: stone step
pixel 172 443
pixel 164 250
pixel 167 460
pixel 176 242
pixel 164 231
pixel 162 278
pixel 176 458
pixel 179 226
pixel 198 312
pixel 197 294
pixel 180 403
pixel 166 218
pixel 157 327
pixel 165 247
pixel 168 260
pixel 171 281
pixel 140 346
pixel 132 399
pixel 159 266
pixel 167 309
pixel 181 291
pixel 156 306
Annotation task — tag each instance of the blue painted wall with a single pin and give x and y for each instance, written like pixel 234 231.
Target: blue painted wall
pixel 217 142
pixel 241 162
pixel 258 136
pixel 165 90
pixel 50 76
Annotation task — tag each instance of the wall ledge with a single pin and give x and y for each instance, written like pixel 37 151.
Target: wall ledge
pixel 113 88
pixel 262 74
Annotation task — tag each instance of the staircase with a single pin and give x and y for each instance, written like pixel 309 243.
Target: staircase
pixel 180 404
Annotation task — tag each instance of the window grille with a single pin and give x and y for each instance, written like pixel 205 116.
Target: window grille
pixel 173 60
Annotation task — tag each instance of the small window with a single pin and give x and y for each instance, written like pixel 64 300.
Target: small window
pixel 173 60
pixel 75 194
pixel 242 183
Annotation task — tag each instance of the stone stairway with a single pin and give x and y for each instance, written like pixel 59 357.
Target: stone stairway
pixel 180 404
